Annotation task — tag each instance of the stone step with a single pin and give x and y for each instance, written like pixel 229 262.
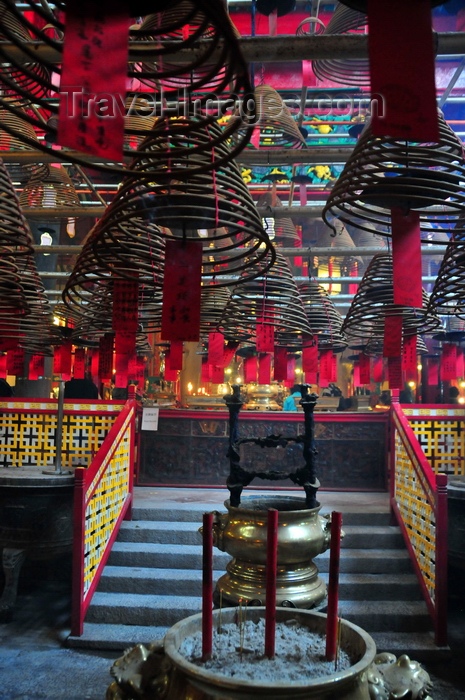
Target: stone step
pixel 140 609
pixel 166 532
pixel 174 556
pixel 120 579
pixel 166 610
pixel 192 512
pixel 387 615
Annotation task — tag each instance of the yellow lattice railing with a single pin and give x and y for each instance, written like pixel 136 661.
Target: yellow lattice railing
pixel 28 431
pixel 103 498
pixel 441 434
pixel 419 500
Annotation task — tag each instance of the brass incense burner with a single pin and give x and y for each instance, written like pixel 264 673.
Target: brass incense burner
pixel 242 531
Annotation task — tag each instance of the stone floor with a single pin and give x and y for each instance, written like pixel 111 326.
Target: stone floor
pixel 35 663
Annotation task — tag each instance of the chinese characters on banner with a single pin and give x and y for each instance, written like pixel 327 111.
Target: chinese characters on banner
pixel 181 291
pixel 448 367
pixel 406 258
pixel 125 306
pixel 365 366
pixel 36 366
pixel 105 357
pixel 93 79
pixel 409 358
pixel 264 337
pixel 392 345
pixel 79 365
pixel 402 80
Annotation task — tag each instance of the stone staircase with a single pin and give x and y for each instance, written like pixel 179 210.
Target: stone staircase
pixel 153 579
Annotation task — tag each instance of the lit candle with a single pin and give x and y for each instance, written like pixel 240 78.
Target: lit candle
pixel 271 572
pixel 207 586
pixel 333 587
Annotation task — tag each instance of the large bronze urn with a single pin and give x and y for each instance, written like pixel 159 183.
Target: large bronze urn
pixel 242 533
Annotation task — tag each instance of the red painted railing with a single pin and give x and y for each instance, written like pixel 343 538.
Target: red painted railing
pixel 102 499
pixel 419 501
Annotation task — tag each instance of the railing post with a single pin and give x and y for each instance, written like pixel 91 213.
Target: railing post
pixel 440 593
pixel 79 508
pixel 392 460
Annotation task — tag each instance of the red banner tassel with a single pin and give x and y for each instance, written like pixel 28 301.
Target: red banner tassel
pixel 271 574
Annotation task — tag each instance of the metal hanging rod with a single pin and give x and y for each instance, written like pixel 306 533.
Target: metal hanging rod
pixel 255 49
pixel 435 249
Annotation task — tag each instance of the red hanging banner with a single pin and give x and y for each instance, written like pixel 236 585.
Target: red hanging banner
pixel 378 370
pixel 280 364
pixel 406 258
pixel 448 362
pixel 176 354
pixel 79 364
pixel 264 369
pixel 133 368
pixel 216 374
pixel 3 363
pixel 326 360
pixel 395 373
pixel 310 357
pixel 392 336
pixel 229 350
pixel 205 372
pixel 291 371
pixel 125 316
pixel 250 370
pixel 121 370
pixel 105 357
pixel 94 365
pixel 15 362
pixel 364 362
pixel 36 366
pixel 264 337
pixel 311 377
pixel 409 358
pixel 433 371
pixel 216 349
pixel 459 365
pixel 125 342
pixel 181 291
pixel 402 70
pixel 357 382
pixel 92 87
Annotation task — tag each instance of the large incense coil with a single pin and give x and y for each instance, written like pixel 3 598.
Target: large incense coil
pixel 347 71
pixel 374 301
pixel 10 142
pixel 448 296
pixel 15 235
pixel 220 51
pixel 184 24
pixel 214 207
pixel 56 189
pixel 322 316
pixel 384 173
pixel 271 299
pixel 178 147
pixel 282 228
pixel 139 118
pixel 25 81
pixel 274 121
pixel 213 302
pixel 32 329
pixel 13 301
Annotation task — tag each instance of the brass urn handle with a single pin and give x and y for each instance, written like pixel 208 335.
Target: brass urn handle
pixel 219 526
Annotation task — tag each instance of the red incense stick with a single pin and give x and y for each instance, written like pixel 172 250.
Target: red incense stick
pixel 271 572
pixel 207 586
pixel 333 586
